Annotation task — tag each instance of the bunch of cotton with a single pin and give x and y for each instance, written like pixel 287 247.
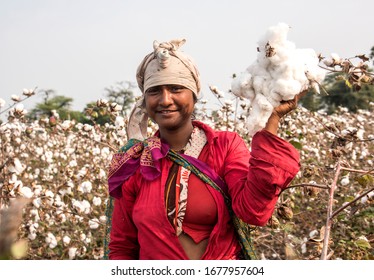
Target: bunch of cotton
pixel 280 72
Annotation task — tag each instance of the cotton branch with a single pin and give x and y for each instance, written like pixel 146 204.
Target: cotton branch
pixel 350 203
pixel 306 185
pixel 330 213
pixel 358 171
pixel 27 96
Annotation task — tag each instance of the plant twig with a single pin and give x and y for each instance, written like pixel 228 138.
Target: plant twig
pixel 340 209
pixel 357 170
pixel 14 104
pixel 306 185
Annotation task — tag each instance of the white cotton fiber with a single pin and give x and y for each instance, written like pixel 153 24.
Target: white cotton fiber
pixel 280 72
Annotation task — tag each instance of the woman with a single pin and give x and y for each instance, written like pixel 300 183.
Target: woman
pixel 162 210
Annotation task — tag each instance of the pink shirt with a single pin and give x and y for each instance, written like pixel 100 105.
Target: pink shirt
pixel 141 230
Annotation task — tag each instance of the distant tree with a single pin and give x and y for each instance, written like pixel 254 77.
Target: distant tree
pixel 340 94
pixel 371 55
pixel 311 101
pixel 55 104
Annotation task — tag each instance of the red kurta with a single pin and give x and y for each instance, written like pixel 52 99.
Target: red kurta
pixel 141 230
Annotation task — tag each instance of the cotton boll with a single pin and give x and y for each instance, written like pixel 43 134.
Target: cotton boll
pixel 103 219
pixel 291 88
pixel 328 62
pixel 335 58
pixel 241 86
pixel 16 166
pixel 72 253
pixel 280 72
pixel 282 53
pixel 119 122
pixel 275 34
pixel 273 97
pixel 94 223
pixel 66 239
pixel 258 82
pixel 37 202
pixel 51 240
pixel 261 111
pixel 344 181
pixel 85 187
pixel 96 201
pixel 26 192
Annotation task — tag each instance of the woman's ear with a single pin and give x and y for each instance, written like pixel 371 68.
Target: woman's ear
pixel 194 98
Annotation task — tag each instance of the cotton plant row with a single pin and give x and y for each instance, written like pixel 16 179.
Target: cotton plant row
pixel 337 175
pixel 60 167
pixel 281 71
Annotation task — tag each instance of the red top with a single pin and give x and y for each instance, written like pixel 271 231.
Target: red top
pixel 201 212
pixel 141 230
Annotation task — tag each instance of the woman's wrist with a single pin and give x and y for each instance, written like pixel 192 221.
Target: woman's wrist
pixel 273 123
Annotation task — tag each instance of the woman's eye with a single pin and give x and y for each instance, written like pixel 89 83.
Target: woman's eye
pixel 176 88
pixel 153 91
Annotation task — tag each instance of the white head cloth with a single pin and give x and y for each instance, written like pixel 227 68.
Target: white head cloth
pixel 166 65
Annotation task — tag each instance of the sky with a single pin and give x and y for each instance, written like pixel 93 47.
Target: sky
pixel 81 47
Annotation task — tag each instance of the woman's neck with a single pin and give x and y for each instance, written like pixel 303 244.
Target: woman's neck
pixel 177 139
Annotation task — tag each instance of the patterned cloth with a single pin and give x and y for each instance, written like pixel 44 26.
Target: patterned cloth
pixel 176 189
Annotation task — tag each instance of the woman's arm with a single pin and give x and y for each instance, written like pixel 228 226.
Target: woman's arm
pixel 123 235
pixel 255 180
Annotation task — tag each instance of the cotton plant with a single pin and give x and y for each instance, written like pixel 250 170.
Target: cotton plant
pixel 280 72
pixel 51 174
pixel 330 145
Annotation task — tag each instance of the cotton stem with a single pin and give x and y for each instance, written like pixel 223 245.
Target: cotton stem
pixel 330 212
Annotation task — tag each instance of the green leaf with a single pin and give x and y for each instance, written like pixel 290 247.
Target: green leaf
pixel 288 227
pixel 365 180
pixel 296 144
pixel 363 244
pixel 348 84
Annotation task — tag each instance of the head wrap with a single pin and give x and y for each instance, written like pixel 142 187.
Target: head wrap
pixel 166 65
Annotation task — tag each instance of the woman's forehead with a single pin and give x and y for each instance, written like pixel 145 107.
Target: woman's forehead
pixel 166 85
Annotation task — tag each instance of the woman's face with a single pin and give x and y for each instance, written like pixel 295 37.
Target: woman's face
pixel 170 106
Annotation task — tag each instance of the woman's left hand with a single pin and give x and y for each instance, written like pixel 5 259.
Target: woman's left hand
pixel 280 111
pixel 289 105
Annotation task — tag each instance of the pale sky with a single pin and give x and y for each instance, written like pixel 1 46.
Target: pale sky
pixel 80 47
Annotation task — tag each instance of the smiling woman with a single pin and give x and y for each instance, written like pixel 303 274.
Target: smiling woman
pixel 184 192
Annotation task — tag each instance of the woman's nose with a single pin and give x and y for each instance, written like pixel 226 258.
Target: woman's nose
pixel 166 98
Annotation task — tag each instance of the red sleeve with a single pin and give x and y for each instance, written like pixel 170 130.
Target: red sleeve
pixel 123 243
pixel 255 180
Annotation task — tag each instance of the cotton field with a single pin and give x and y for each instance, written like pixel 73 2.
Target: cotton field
pixel 53 189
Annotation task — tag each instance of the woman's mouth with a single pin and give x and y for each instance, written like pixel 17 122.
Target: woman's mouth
pixel 166 112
